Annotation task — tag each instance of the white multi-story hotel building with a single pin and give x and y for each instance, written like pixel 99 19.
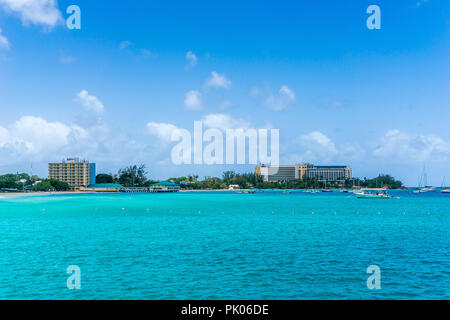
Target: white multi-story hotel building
pixel 302 171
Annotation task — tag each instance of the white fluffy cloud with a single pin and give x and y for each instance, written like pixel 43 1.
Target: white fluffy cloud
pixel 316 147
pixel 34 139
pixel 90 102
pixel 164 131
pixel 395 146
pixel 218 81
pixel 192 59
pixel 39 12
pixel 161 130
pixel 405 148
pixel 4 42
pixel 282 100
pixel 35 136
pixel 193 100
pixel 223 121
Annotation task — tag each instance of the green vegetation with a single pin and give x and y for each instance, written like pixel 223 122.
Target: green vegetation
pixel 23 182
pixel 251 180
pixel 136 176
pixel 13 181
pixel 50 185
pixel 133 176
pixel 104 178
pixel 378 182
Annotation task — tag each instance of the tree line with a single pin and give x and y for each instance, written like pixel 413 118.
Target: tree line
pixel 25 182
pixel 252 180
pixel 136 176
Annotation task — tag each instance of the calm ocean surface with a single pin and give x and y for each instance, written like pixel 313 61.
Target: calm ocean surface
pixel 220 245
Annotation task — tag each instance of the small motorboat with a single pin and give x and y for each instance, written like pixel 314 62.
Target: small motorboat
pixel 373 195
pixel 312 191
pixel 446 191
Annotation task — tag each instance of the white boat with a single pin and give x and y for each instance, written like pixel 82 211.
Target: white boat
pixel 425 189
pixel 443 186
pixel 373 195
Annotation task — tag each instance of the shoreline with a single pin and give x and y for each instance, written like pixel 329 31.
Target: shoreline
pixel 38 194
pixel 54 193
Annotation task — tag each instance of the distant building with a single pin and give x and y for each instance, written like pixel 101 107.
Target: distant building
pixel 104 187
pixel 164 186
pixel 77 173
pixel 234 187
pixel 330 174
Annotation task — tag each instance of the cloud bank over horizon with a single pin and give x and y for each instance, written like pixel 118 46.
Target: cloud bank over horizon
pixel 34 140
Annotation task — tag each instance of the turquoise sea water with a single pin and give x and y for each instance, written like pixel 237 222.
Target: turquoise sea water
pixel 220 245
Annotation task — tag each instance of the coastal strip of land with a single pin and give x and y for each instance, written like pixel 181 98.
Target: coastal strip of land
pixel 37 194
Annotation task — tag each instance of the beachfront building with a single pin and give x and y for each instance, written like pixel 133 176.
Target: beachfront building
pixel 164 186
pixel 329 174
pixel 103 187
pixel 77 173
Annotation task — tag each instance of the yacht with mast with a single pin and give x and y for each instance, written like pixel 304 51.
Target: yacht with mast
pixel 423 181
pixel 443 186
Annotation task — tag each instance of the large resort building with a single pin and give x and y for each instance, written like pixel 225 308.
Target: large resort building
pixel 329 174
pixel 80 175
pixel 77 173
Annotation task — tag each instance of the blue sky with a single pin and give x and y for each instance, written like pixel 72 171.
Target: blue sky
pixel 340 93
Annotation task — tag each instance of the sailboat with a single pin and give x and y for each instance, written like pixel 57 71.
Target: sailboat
pixel 425 188
pixel 443 186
